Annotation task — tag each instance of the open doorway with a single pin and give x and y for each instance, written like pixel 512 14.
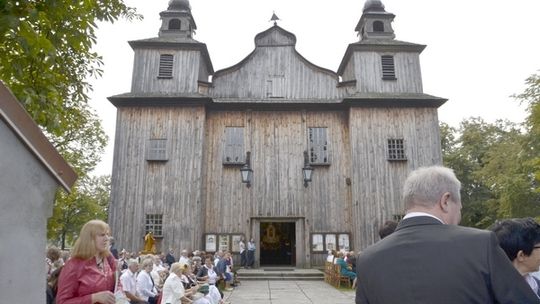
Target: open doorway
pixel 278 244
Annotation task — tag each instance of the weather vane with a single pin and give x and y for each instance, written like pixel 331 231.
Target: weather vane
pixel 274 18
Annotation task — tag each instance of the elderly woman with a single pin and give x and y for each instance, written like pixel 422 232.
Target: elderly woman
pixel 173 289
pixel 146 287
pixel 88 277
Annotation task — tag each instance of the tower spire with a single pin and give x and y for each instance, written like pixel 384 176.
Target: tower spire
pixel 376 22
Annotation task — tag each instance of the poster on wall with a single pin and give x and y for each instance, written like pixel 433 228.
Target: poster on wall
pixel 224 242
pixel 330 241
pixel 210 243
pixel 317 242
pixel 343 242
pixel 236 242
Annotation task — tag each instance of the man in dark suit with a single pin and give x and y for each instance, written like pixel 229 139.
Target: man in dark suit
pixel 429 259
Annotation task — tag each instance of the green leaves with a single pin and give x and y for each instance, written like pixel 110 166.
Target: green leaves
pixel 46 59
pixel 497 163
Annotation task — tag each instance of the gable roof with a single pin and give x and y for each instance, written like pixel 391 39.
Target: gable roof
pixel 22 125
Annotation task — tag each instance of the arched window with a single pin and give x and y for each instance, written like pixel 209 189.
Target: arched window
pixel 378 26
pixel 174 24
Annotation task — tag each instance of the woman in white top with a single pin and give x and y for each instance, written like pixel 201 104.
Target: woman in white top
pixel 173 289
pixel 207 274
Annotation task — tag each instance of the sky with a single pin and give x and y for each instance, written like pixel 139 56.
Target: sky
pixel 478 54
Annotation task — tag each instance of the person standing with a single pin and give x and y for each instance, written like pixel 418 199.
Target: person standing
pixel 243 253
pixel 89 275
pixel 170 259
pixel 251 253
pixel 520 240
pixel 430 259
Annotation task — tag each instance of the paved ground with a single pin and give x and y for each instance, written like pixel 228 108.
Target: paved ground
pixel 288 292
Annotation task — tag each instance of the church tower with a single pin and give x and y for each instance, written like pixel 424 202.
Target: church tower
pixel 173 62
pixel 378 62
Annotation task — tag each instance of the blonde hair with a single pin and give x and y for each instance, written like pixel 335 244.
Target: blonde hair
pixel 177 268
pixel 85 246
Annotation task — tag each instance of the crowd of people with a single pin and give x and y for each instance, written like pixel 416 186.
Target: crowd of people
pixel 91 273
pixel 426 257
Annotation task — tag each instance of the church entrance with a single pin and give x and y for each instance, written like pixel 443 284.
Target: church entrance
pixel 278 244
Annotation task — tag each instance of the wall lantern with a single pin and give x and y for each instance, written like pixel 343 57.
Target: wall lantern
pixel 307 171
pixel 246 172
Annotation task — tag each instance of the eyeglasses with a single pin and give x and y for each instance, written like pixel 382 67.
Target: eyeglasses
pixel 536 247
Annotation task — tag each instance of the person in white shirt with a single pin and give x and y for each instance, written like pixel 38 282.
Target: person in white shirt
pixel 184 257
pixel 173 289
pixel 129 282
pixel 202 296
pixel 146 287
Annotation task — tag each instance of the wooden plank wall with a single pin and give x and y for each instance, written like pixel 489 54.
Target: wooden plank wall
pixel 277 141
pixel 186 71
pixel 376 182
pixel 302 80
pixel 172 188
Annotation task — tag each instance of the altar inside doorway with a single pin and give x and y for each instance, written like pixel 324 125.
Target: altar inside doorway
pixel 277 243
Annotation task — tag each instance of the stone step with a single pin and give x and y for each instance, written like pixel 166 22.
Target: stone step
pixel 278 274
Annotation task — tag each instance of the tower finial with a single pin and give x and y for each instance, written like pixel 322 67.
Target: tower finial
pixel 274 18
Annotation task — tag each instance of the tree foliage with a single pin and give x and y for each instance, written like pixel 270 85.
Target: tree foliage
pixel 497 163
pixel 46 60
pixel 88 200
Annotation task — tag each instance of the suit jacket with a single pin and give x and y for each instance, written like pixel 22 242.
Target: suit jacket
pixel 424 261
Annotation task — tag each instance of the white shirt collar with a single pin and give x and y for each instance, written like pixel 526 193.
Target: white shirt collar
pixel 417 213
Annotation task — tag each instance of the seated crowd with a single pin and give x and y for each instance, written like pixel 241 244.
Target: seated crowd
pixel 154 279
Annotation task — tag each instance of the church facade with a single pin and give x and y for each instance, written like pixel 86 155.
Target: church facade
pixel 300 158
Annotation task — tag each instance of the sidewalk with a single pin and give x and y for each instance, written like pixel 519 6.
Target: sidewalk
pixel 288 292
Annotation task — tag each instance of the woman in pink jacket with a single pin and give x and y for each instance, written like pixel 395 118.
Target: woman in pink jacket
pixel 88 277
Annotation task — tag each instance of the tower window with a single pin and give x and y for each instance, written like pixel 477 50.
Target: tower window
pixel 175 24
pixel 396 149
pixel 388 68
pixel 165 66
pixel 378 26
pixel 157 150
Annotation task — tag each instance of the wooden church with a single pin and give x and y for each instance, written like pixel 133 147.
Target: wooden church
pixel 300 158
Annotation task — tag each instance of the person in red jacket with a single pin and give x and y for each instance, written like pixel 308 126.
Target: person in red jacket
pixel 88 277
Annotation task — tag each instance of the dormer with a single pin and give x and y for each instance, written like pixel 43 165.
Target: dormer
pixel 177 20
pixel 375 22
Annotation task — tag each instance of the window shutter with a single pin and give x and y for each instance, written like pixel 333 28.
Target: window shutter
pixel 234 146
pixel 318 146
pixel 165 66
pixel 388 68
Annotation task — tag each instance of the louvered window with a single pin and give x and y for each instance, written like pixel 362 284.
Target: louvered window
pixel 165 66
pixel 396 149
pixel 388 68
pixel 319 153
pixel 233 153
pixel 157 150
pixel 154 223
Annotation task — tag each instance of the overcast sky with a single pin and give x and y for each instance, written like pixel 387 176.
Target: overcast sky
pixel 479 52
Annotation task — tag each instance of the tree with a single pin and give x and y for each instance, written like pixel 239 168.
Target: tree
pixel 46 59
pixel 531 97
pixel 88 200
pixel 490 162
